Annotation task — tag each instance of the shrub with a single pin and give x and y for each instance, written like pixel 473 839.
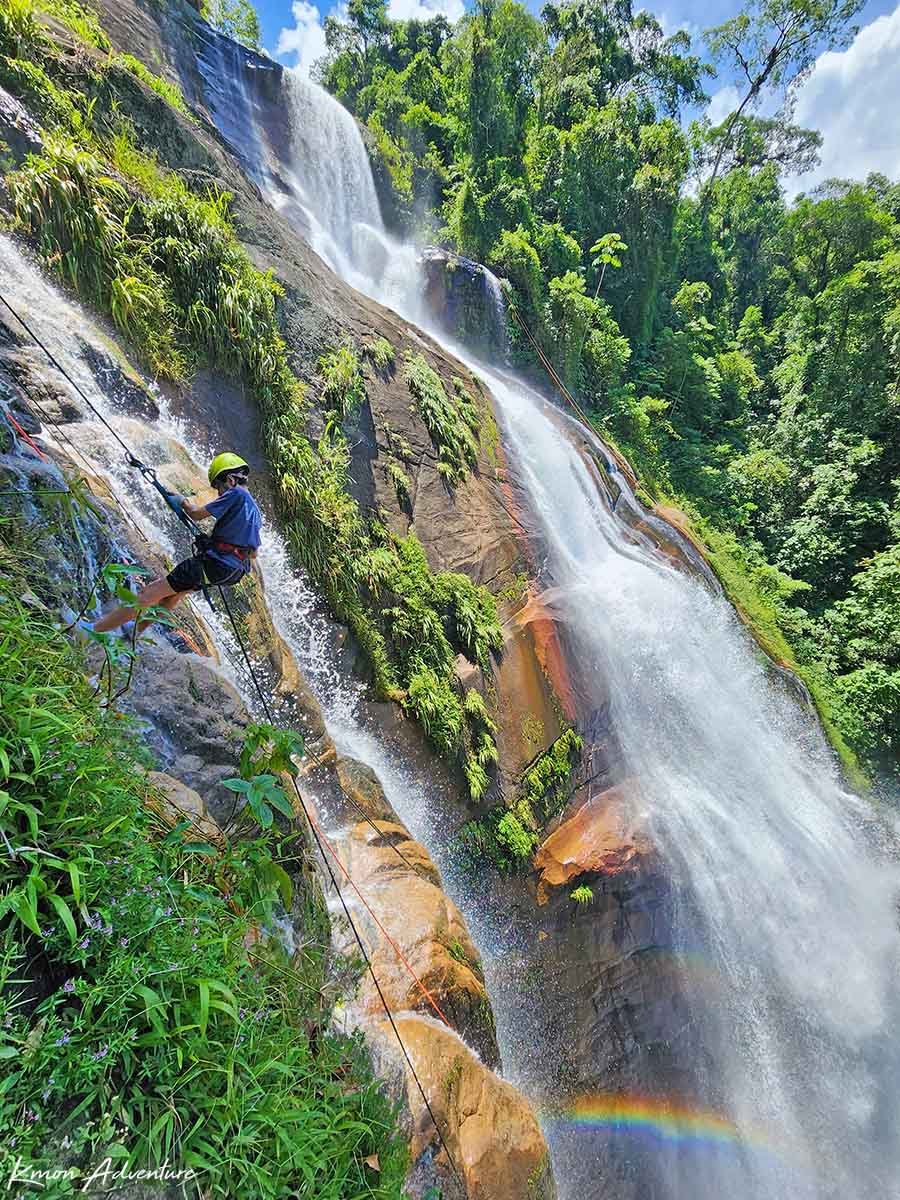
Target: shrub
pixel 451 423
pixel 582 894
pixel 343 390
pixel 512 834
pixel 132 1019
pixel 381 353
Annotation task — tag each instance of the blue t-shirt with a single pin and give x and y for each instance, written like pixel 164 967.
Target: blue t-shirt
pixel 238 521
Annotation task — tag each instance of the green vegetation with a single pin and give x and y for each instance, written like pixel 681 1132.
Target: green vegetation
pixel 381 353
pixel 545 785
pixel 343 389
pixel 399 479
pixel 235 18
pixel 506 836
pixel 133 1021
pixel 452 421
pixel 741 350
pixel 170 92
pixel 582 894
pixel 165 263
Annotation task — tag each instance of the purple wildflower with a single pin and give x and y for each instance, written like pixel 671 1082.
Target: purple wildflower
pixel 64 1040
pixel 45 933
pixel 84 943
pixel 69 986
pixel 123 942
pixel 30 1115
pixel 101 1053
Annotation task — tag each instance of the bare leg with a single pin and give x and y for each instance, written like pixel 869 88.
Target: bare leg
pixel 169 602
pixel 154 593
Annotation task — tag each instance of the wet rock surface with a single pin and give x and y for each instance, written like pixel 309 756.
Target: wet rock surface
pixel 494 1141
pixel 463 299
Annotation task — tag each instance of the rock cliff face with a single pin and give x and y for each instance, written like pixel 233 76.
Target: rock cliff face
pixel 193 719
pixel 606 1004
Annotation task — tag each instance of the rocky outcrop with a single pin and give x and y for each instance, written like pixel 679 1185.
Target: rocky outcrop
pixel 420 948
pixel 465 299
pixel 18 131
pixel 603 838
pixel 496 1148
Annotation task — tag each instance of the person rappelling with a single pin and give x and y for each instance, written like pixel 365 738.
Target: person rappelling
pixel 220 559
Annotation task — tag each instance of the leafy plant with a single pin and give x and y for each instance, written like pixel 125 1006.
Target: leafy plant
pixel 382 353
pixel 263 794
pixel 343 389
pixel 545 785
pixel 170 92
pixel 608 248
pixel 582 894
pixel 133 1020
pixel 451 422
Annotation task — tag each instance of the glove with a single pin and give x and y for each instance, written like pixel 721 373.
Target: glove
pixel 176 502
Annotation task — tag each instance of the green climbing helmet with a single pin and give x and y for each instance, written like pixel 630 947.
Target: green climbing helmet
pixel 226 462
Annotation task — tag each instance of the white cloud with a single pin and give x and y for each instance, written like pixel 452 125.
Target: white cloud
pixel 424 10
pixel 853 98
pixel 306 39
pixel 721 103
pixel 671 25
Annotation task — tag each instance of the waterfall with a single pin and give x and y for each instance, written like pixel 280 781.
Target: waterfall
pixel 497 303
pixel 781 891
pixel 784 909
pixel 328 176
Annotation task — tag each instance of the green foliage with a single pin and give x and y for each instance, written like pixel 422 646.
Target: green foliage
pixel 545 785
pixel 513 835
pixel 81 19
pixel 19 27
pixel 132 1019
pixel 343 389
pixel 399 479
pixel 582 894
pixel 381 353
pixel 170 92
pixel 608 248
pixel 452 421
pixel 235 18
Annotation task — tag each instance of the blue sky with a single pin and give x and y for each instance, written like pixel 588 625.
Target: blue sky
pixel 852 96
pixel 276 15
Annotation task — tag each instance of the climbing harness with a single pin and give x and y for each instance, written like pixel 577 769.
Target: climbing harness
pixel 321 840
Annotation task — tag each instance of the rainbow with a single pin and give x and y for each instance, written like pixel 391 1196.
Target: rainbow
pixel 660 1116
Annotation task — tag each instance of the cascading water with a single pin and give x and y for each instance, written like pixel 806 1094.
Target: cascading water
pixel 329 177
pixel 780 888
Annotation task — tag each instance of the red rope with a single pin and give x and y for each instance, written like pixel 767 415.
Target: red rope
pixel 424 990
pixel 26 437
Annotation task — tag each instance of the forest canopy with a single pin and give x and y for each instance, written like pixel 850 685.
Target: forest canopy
pixel 741 348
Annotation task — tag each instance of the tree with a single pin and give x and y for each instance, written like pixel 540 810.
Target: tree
pixel 754 142
pixel 235 18
pixel 774 43
pixel 608 248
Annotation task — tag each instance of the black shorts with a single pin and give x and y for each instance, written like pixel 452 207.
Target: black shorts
pixel 200 571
